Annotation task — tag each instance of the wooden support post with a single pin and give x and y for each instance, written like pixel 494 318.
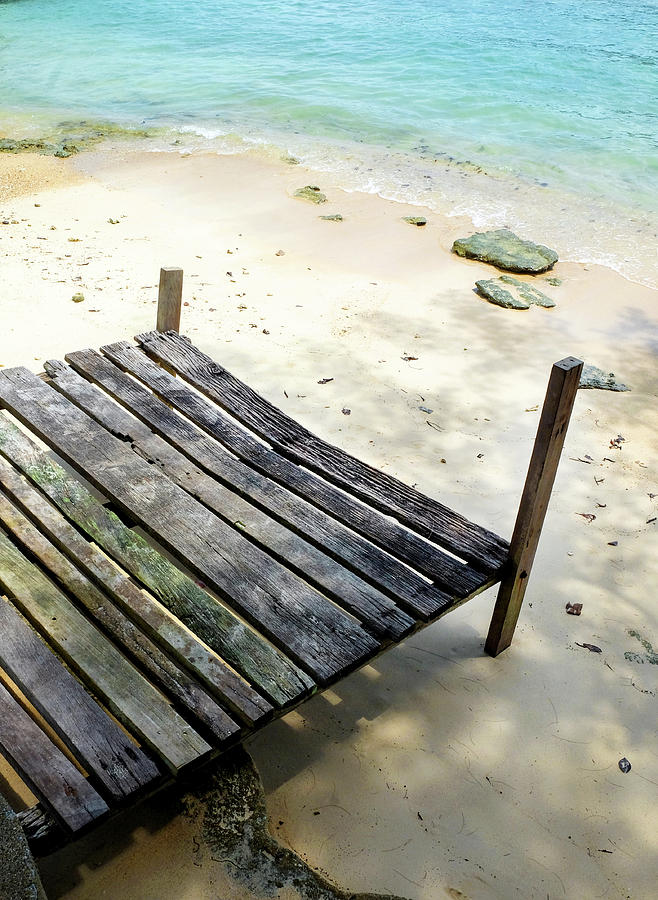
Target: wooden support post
pixel 555 415
pixel 170 296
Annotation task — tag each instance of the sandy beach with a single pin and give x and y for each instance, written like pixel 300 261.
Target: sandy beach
pixel 436 771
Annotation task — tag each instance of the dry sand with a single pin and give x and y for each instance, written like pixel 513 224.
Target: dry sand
pixel 436 772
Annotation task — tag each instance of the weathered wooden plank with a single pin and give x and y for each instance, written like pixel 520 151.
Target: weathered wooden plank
pixel 126 693
pixel 452 577
pixel 551 432
pixel 46 770
pixel 365 602
pixel 242 648
pixel 428 517
pixel 44 834
pixel 95 739
pixel 179 685
pixel 170 295
pixel 314 632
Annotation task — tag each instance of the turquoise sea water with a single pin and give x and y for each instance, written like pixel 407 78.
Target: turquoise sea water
pixel 556 101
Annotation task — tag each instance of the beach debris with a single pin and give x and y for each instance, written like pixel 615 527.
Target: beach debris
pixel 589 517
pixel 505 250
pixel 346 412
pixel 312 193
pixel 511 293
pixel 593 378
pixel 291 160
pixel 336 217
pixel 574 609
pixel 78 297
pixel 280 253
pixel 613 543
pixel 426 409
pixel 591 647
pixel 624 765
pixel 408 358
pixel 73 240
pixel 113 221
pixel 615 443
pixel 652 519
pixel 325 380
pixel 419 221
pixel 265 331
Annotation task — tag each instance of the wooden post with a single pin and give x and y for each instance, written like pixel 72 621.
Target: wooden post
pixel 170 296
pixel 555 415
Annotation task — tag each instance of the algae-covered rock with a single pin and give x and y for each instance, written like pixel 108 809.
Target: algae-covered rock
pixel 19 879
pixel 554 281
pixel 312 193
pixel 502 248
pixel 335 218
pixel 593 378
pixel 228 803
pixel 415 220
pixel 511 293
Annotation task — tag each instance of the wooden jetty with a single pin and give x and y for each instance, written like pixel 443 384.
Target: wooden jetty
pixel 277 565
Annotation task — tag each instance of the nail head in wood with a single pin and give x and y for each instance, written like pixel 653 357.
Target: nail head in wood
pixel 170 296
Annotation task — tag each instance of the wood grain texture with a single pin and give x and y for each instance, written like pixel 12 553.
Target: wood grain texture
pixel 118 766
pixel 428 517
pixel 168 674
pixel 365 602
pixel 125 692
pixel 339 524
pixel 170 295
pixel 242 648
pixel 52 777
pixel 314 632
pixel 551 432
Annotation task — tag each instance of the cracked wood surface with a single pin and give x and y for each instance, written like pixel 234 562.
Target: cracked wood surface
pixel 273 579
pixel 428 517
pixel 314 632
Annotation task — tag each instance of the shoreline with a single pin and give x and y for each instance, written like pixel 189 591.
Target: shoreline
pixel 436 770
pixel 586 229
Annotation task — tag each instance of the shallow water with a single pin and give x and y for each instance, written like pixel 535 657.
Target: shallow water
pixel 555 101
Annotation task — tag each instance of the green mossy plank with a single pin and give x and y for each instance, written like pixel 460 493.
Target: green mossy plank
pixel 149 615
pixel 235 642
pixel 365 602
pixel 117 765
pixel 127 694
pixel 312 631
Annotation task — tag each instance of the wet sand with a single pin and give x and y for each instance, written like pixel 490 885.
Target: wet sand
pixel 437 771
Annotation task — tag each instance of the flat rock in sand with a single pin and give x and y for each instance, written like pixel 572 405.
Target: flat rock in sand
pixel 593 378
pixel 502 248
pixel 312 193
pixel 511 293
